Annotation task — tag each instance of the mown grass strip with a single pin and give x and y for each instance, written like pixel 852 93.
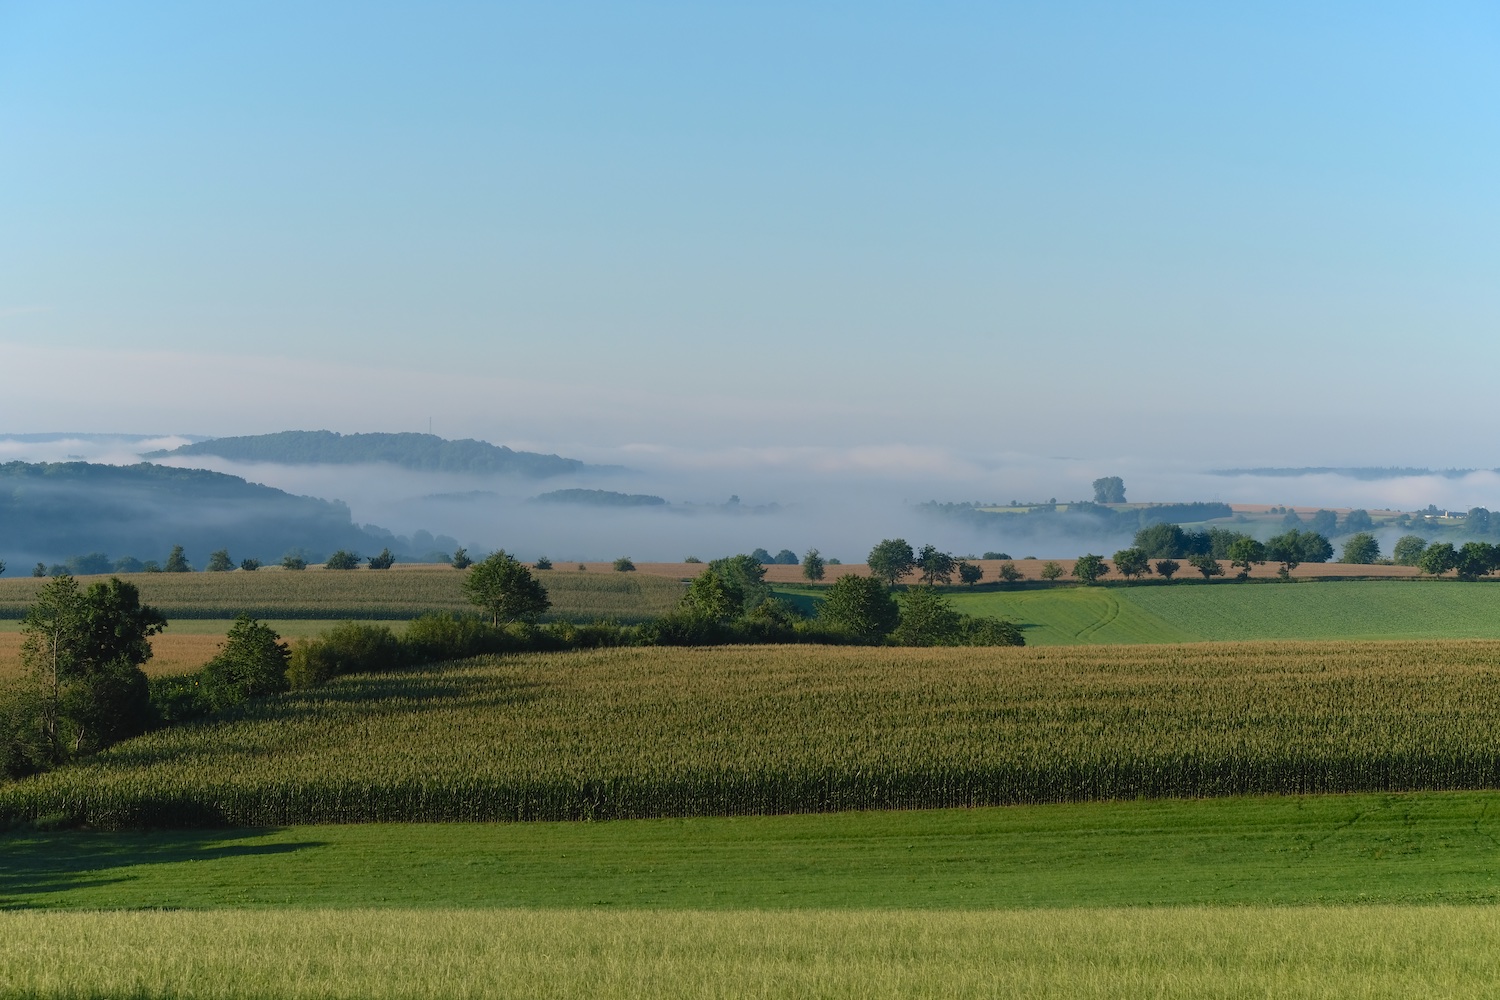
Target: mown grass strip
pixel 1429 847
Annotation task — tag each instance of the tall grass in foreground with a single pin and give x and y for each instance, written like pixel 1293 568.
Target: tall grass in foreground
pixel 740 730
pixel 1323 953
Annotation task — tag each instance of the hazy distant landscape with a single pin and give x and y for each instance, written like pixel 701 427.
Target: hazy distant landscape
pixel 686 501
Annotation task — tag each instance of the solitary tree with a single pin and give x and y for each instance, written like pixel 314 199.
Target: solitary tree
pixel 1358 520
pixel 936 566
pixel 177 562
pixel 1324 522
pixel 1167 567
pixel 891 560
pixel 1132 563
pixel 970 573
pixel 1245 553
pixel 624 565
pixel 1205 563
pixel 505 589
pixel 1361 549
pixel 860 607
pixel 1088 568
pixel 1109 489
pixel 1008 572
pixel 813 566
pixel 461 558
pixel 1051 571
pixel 219 562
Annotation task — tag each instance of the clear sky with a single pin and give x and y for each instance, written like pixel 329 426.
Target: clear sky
pixel 1217 233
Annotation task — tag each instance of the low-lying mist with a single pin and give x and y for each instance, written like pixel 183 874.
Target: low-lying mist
pixel 840 501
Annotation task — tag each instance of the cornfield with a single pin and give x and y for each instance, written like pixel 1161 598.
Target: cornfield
pixel 400 593
pixel 681 732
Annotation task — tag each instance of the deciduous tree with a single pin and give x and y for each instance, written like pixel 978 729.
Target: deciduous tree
pixel 1361 549
pixel 1132 562
pixel 1408 550
pixel 1088 568
pixel 813 566
pixel 505 589
pixel 891 560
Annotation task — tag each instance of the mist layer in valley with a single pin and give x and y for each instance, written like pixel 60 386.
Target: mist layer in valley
pixel 840 501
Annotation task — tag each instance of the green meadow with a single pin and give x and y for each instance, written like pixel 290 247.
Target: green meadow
pixel 1230 612
pixel 1329 897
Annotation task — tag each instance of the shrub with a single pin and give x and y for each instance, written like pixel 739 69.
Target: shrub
pixel 347 648
pixel 383 561
pixel 976 631
pixel 342 559
pixel 293 562
pixel 461 559
pixel 692 559
pixel 542 562
pixel 624 565
pixel 859 607
pixel 249 565
pixel 219 562
pixel 927 619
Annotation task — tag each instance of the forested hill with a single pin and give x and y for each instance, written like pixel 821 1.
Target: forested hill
pixel 53 511
pixel 420 452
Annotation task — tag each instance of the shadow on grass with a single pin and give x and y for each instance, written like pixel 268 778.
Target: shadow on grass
pixel 33 864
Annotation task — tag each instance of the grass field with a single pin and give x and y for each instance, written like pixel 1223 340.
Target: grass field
pixel 747 730
pixel 1328 609
pixel 1319 897
pixel 1250 952
pixel 1435 847
pixel 402 592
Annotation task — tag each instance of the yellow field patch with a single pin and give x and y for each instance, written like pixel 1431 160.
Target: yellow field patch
pixel 170 654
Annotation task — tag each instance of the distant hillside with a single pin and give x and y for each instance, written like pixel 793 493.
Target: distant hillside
pixel 1356 472
pixel 50 511
pixel 419 452
pixel 600 498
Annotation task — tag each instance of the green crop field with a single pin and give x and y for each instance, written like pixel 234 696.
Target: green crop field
pixel 1227 611
pixel 722 731
pixel 400 593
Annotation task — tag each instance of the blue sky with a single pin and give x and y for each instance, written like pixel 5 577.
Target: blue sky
pixel 1209 233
